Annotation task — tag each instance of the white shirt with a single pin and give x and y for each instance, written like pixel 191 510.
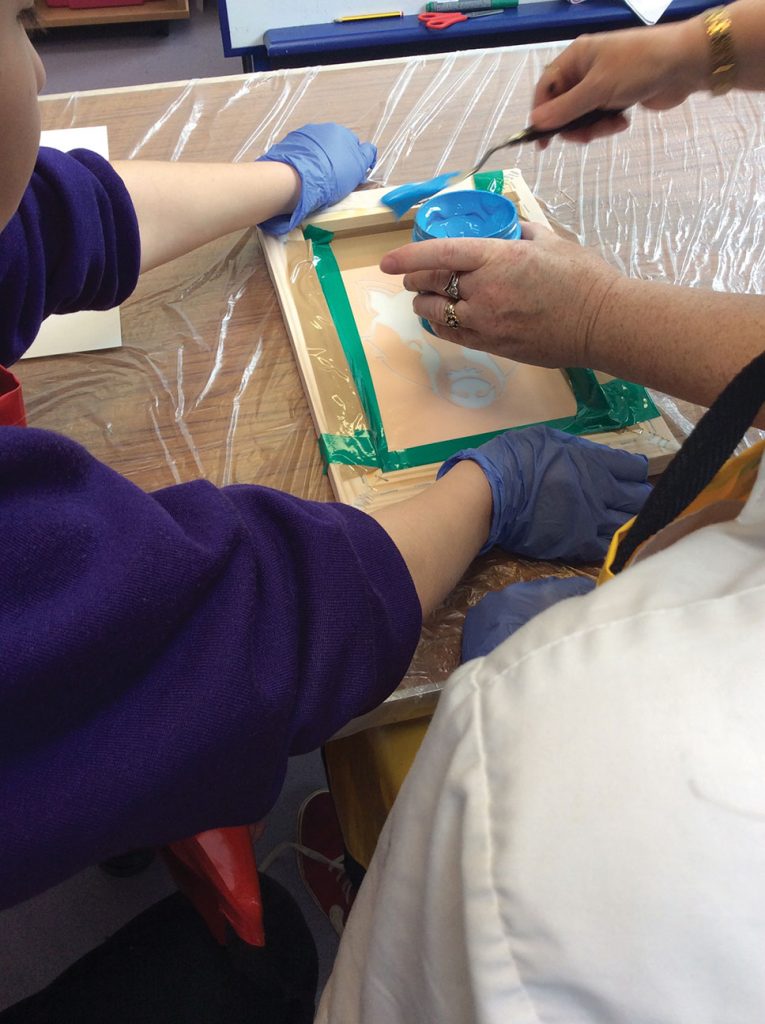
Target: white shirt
pixel 582 835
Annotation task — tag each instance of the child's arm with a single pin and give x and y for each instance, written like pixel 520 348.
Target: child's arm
pixel 163 654
pixel 80 236
pixel 182 205
pixel 72 244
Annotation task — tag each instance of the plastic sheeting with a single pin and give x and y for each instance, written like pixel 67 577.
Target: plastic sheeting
pixel 205 384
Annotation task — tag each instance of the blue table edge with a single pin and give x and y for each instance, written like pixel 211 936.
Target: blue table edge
pixel 531 22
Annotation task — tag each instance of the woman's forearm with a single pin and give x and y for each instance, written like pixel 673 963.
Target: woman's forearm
pixel 747 36
pixel 687 342
pixel 181 206
pixel 657 67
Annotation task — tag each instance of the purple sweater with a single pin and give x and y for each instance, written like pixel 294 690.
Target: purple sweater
pixel 161 655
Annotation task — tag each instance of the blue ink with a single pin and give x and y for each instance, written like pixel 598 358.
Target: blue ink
pixel 404 197
pixel 472 386
pixel 468 214
pixel 474 382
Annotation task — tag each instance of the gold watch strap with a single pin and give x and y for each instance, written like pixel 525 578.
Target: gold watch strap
pixel 718 28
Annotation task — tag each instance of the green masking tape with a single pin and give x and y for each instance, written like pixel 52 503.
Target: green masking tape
pixel 490 181
pixel 600 407
pixel 349 450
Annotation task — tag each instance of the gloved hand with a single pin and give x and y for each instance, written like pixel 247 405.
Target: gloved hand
pixel 555 495
pixel 331 162
pixel 498 615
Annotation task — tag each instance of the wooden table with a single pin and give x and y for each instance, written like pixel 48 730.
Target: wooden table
pixel 205 384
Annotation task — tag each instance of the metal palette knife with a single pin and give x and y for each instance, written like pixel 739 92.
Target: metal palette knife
pixel 405 197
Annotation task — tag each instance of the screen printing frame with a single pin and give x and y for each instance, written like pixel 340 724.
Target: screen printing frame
pixel 362 471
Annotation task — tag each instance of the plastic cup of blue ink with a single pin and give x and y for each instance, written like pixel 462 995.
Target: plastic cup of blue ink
pixel 466 214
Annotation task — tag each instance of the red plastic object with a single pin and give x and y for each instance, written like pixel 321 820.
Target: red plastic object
pixel 80 4
pixel 12 412
pixel 217 871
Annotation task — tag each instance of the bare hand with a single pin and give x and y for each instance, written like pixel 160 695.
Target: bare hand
pixel 657 68
pixel 534 300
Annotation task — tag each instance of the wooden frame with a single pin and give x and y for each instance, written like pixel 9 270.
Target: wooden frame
pixel 323 366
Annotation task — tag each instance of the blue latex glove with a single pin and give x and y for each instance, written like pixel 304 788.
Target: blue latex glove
pixel 555 495
pixel 498 615
pixel 331 162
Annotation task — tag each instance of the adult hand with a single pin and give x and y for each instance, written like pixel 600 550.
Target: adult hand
pixel 555 495
pixel 535 300
pixel 658 68
pixel 330 162
pixel 502 612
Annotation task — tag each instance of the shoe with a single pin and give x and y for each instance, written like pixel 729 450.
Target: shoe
pixel 320 854
pixel 127 864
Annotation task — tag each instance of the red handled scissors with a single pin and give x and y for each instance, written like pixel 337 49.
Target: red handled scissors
pixel 443 19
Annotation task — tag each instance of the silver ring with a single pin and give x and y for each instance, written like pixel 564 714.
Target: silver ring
pixel 453 287
pixel 450 317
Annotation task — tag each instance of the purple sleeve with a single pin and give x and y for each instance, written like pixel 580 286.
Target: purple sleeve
pixel 163 655
pixel 72 244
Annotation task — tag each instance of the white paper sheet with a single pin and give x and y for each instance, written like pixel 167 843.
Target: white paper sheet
pixel 649 11
pixel 91 329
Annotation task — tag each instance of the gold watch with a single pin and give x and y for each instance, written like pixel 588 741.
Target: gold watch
pixel 718 25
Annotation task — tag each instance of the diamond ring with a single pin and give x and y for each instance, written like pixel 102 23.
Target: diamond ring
pixel 453 287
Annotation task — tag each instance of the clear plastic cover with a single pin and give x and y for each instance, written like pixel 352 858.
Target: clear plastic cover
pixel 205 383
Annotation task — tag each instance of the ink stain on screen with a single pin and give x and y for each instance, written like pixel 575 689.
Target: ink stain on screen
pixel 472 380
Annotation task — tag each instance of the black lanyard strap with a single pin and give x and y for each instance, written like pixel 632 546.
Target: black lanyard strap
pixel 704 453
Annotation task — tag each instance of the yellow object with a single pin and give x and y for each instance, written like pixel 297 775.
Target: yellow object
pixel 732 483
pixel 365 773
pixel 718 25
pixel 370 17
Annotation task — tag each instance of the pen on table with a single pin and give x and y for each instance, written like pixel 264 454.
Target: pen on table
pixel 444 6
pixel 370 17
